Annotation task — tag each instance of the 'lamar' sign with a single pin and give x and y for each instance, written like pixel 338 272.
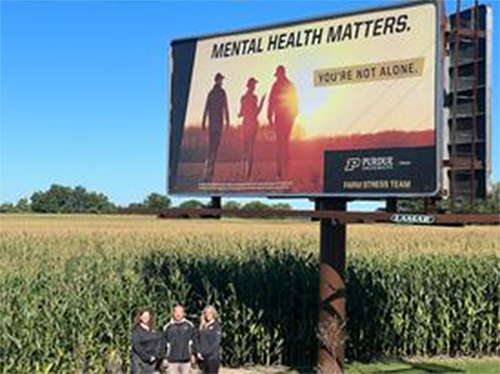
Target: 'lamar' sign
pixel 343 105
pixel 419 219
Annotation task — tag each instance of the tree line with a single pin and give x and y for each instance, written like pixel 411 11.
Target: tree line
pixel 69 200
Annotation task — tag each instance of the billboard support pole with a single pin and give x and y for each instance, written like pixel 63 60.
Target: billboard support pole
pixel 332 292
pixel 430 206
pixel 216 202
pixel 391 205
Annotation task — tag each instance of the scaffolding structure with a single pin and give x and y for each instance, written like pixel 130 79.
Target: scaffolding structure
pixel 468 96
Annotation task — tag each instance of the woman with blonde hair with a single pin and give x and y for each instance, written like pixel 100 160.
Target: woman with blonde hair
pixel 208 341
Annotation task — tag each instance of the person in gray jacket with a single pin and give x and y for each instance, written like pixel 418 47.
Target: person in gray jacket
pixel 179 337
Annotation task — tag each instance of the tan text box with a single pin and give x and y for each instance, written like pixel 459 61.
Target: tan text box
pixel 380 71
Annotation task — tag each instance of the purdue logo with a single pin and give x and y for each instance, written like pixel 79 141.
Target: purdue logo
pixel 352 163
pixel 419 219
pixel 369 163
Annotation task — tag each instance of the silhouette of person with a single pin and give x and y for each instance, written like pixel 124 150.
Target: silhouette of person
pixel 217 113
pixel 250 110
pixel 283 108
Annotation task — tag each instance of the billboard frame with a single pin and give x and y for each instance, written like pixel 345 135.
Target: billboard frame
pixel 438 116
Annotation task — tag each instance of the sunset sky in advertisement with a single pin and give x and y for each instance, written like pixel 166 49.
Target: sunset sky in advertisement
pixel 405 104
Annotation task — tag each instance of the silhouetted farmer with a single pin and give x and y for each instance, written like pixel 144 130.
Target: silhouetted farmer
pixel 250 110
pixel 217 113
pixel 281 113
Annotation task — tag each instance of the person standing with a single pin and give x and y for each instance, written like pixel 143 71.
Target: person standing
pixel 250 109
pixel 217 114
pixel 179 336
pixel 283 108
pixel 208 341
pixel 146 344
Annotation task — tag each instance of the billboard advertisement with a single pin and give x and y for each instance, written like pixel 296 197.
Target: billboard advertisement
pixel 345 105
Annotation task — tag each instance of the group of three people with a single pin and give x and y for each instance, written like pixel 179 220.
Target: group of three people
pixel 179 346
pixel 282 111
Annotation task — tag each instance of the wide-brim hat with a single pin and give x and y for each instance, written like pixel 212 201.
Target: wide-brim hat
pixel 252 81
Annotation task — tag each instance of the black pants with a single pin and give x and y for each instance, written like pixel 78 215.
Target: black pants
pixel 283 132
pixel 137 366
pixel 250 130
pixel 214 140
pixel 211 366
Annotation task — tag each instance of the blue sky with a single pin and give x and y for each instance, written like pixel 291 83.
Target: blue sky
pixel 83 87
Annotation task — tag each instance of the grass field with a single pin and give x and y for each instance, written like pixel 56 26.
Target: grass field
pixel 412 290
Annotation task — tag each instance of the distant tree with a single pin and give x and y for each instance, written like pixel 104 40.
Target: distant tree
pixel 23 206
pixel 231 204
pixel 282 206
pixel 256 205
pixel 63 199
pixel 136 206
pixel 52 201
pixel 489 205
pixel 410 205
pixel 7 208
pixel 260 206
pixel 98 203
pixel 188 204
pixel 157 201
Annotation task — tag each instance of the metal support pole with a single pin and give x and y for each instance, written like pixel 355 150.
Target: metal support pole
pixel 215 202
pixel 430 206
pixel 391 205
pixel 332 292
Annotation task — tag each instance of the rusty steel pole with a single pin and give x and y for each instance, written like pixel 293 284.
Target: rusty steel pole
pixel 332 291
pixel 215 202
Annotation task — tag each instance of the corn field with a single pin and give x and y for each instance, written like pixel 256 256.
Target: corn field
pixel 70 285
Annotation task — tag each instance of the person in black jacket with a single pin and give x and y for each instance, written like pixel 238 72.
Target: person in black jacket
pixel 208 341
pixel 179 337
pixel 216 113
pixel 147 345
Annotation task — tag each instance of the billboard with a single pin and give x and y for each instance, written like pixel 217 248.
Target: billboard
pixel 344 105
